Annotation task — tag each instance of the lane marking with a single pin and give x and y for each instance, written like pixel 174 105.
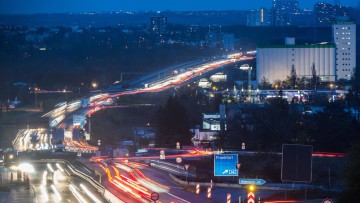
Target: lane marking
pixel 178 197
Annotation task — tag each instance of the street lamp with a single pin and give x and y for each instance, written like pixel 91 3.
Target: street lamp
pixel 248 68
pixel 94 85
pixel 35 92
pixel 65 94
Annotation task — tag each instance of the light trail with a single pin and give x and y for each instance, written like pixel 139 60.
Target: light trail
pixel 92 197
pixel 77 195
pixel 56 192
pixel 50 168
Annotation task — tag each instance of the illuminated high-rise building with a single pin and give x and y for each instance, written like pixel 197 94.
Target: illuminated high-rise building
pixel 260 17
pixel 344 37
pixel 323 14
pixel 282 9
pixel 158 25
pixel 326 14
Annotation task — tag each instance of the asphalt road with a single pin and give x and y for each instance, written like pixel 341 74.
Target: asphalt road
pixel 56 187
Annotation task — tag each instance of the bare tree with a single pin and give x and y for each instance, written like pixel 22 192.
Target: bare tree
pixel 293 77
pixel 314 77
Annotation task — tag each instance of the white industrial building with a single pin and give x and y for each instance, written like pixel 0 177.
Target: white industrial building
pixel 274 62
pixel 344 37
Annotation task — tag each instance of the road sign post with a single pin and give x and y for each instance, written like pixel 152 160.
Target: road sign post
pixel 178 161
pixel 225 165
pixel 327 200
pixel 228 198
pixel 238 166
pixel 186 166
pixel 251 197
pixel 197 189
pixel 162 154
pixel 154 196
pixel 209 193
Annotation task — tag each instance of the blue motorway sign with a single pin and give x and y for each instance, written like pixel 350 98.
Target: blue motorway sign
pixel 78 120
pixel 225 165
pixel 247 181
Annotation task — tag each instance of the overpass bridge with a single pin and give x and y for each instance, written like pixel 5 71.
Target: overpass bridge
pixel 69 116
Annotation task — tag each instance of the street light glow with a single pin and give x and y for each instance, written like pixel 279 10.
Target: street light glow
pixel 27 168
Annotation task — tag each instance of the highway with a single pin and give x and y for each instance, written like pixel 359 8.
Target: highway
pixel 63 114
pixel 138 181
pixel 130 181
pixel 32 139
pixel 52 182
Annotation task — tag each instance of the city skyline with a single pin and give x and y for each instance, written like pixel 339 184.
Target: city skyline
pixel 64 6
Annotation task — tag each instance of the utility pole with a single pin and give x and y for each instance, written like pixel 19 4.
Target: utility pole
pixel 35 92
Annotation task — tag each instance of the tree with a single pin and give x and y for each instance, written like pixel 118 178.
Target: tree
pixel 272 124
pixel 351 193
pixel 333 129
pixel 264 84
pixel 303 83
pixel 172 124
pixel 314 77
pixel 293 77
pixel 355 97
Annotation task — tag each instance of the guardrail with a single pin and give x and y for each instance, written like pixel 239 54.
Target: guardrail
pixel 172 168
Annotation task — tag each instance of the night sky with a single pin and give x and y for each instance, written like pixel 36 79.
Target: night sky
pixel 61 6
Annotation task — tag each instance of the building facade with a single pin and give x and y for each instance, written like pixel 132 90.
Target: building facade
pixel 282 9
pixel 274 62
pixel 344 37
pixel 158 25
pixel 326 14
pixel 259 17
pixel 221 40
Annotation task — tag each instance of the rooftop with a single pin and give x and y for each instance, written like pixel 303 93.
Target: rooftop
pixel 298 46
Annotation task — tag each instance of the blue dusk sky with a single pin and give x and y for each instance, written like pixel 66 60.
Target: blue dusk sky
pixel 63 6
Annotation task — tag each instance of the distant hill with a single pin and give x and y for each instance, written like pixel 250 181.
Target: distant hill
pixel 128 19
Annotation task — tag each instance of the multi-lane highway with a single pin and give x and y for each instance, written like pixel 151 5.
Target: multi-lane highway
pixel 53 181
pixel 135 182
pixel 32 139
pixel 63 115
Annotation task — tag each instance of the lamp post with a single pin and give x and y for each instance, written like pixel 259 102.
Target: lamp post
pixel 248 68
pixel 35 92
pixel 65 95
